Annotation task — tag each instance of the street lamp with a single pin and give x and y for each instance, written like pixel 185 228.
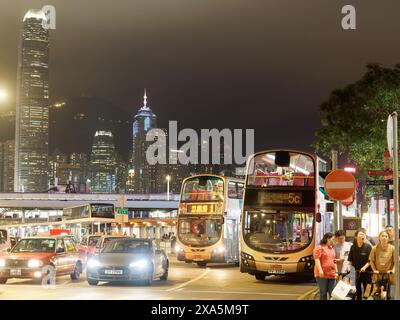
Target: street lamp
pixel 168 178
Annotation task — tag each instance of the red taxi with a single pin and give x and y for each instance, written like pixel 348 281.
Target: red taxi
pixel 36 257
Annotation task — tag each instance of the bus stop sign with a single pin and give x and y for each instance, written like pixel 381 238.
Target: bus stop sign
pixel 340 185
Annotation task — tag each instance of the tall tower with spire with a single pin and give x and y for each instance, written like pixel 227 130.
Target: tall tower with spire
pixel 32 109
pixel 143 172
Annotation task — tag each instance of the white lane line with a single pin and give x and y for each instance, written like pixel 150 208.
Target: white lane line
pixel 190 281
pixel 243 292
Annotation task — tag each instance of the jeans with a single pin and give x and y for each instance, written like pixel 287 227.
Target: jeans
pixel 325 286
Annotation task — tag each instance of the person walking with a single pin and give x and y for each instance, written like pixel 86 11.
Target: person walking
pixel 358 258
pixel 381 260
pixel 325 269
pixel 173 242
pixel 390 231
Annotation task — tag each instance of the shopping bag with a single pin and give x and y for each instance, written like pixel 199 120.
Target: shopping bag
pixel 341 290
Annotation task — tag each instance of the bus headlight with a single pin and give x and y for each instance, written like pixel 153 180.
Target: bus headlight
pixel 2 263
pixel 247 256
pixel 34 263
pixel 220 249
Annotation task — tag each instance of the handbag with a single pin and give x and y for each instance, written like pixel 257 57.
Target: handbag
pixel 341 290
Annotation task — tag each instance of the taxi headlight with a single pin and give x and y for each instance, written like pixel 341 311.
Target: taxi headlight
pixel 178 248
pixel 2 263
pixel 34 263
pixel 140 264
pixel 93 263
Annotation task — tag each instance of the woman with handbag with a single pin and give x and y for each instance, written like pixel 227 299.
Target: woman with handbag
pixel 325 269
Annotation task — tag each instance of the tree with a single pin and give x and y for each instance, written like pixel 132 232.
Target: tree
pixel 354 118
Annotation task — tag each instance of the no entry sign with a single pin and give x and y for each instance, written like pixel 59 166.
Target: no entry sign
pixel 340 185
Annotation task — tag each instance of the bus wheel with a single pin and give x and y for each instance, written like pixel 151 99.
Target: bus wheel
pixel 260 276
pixel 3 280
pixel 202 263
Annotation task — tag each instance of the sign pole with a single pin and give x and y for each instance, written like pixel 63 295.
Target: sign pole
pixel 396 205
pixel 335 203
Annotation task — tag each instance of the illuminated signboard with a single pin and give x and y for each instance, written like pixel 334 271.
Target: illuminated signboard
pixel 285 198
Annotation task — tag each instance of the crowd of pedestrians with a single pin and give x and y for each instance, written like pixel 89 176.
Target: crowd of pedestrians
pixel 364 259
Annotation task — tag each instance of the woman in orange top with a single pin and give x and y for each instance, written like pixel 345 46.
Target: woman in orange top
pixel 325 269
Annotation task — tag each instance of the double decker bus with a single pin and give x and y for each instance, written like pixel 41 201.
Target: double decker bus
pixel 283 215
pixel 209 219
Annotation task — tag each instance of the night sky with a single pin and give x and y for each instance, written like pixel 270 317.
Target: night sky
pixel 262 64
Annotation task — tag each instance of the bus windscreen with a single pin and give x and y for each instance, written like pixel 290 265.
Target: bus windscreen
pixel 102 211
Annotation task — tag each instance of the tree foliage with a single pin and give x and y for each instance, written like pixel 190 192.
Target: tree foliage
pixel 354 118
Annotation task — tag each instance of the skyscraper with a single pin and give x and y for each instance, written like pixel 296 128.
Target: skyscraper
pixel 32 108
pixel 7 178
pixel 144 121
pixel 103 163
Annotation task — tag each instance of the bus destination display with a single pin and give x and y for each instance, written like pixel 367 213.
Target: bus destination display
pixel 290 198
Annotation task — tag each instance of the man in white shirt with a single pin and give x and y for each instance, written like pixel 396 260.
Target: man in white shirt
pixel 342 249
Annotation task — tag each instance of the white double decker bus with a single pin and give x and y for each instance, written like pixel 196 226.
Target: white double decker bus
pixel 283 214
pixel 209 219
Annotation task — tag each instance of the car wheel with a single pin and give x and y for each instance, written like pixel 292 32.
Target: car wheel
pixel 202 263
pixel 165 275
pixel 260 276
pixel 3 280
pixel 92 282
pixel 77 271
pixel 49 277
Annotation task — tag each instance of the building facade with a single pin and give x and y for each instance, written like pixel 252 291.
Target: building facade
pixel 32 107
pixel 143 173
pixel 7 155
pixel 103 163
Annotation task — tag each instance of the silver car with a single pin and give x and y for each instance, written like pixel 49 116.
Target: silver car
pixel 128 259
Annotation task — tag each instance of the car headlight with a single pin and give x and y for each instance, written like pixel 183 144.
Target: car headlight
pixel 34 263
pixel 220 249
pixel 178 248
pixel 141 264
pixel 2 263
pixel 93 263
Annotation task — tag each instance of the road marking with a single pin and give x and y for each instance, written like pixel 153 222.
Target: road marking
pixel 304 295
pixel 243 292
pixel 190 281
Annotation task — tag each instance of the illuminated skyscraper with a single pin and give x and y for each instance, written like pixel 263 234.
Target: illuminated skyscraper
pixel 32 108
pixel 143 173
pixel 103 163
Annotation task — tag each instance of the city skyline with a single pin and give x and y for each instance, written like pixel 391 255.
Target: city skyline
pixel 212 73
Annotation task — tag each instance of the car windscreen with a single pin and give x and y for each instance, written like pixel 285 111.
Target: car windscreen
pixel 35 245
pixel 127 246
pixel 108 240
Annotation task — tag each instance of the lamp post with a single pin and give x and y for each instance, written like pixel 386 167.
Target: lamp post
pixel 168 178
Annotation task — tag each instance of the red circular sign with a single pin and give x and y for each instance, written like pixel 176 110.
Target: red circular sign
pixel 340 185
pixel 349 201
